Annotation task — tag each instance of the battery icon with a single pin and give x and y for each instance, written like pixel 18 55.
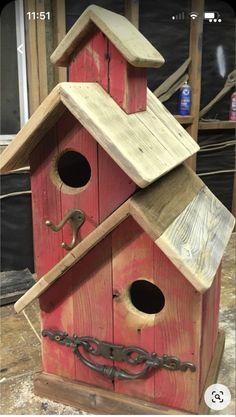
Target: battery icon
pixel 212 17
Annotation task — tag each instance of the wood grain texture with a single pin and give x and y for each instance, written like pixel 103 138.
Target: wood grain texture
pixel 132 259
pixel 42 52
pixel 135 145
pixel 115 186
pixel 44 208
pixel 16 155
pixel 169 121
pixel 132 11
pixel 213 370
pixel 196 240
pixel 158 205
pixel 48 252
pixel 93 64
pixel 32 57
pixel 195 54
pixel 96 400
pixel 137 148
pixel 219 125
pixel 210 321
pixel 92 399
pixel 92 300
pixel 90 64
pixel 72 136
pixel 178 333
pixel 73 256
pixel 127 39
pixel 127 84
pixel 59 31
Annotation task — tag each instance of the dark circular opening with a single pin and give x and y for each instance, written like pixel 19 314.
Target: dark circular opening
pixel 146 297
pixel 74 169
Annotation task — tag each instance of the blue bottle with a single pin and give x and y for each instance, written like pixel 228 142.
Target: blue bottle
pixel 185 95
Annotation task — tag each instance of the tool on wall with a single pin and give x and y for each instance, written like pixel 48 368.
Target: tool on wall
pixel 173 82
pixel 229 83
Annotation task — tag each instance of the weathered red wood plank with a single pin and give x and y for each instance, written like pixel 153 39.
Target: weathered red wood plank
pixel 114 185
pixel 210 320
pixel 91 63
pixel 48 251
pixel 216 307
pixel 72 136
pixel 127 84
pixel 45 205
pixel 92 297
pixel 100 61
pixel 132 258
pixel 178 333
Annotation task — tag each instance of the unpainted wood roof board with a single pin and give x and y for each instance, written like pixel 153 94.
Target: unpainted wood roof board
pixel 165 199
pixel 196 240
pixel 17 153
pixel 128 40
pixel 140 143
pixel 145 145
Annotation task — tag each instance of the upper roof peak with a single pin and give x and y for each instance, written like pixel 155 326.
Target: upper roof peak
pixel 138 51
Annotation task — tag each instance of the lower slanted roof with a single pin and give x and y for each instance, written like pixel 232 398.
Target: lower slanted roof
pixel 182 217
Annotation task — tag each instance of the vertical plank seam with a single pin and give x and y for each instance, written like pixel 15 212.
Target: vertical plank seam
pixel 154 332
pixel 108 65
pixel 200 350
pixel 113 319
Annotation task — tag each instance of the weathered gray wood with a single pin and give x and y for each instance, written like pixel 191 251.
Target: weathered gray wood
pixel 13 284
pixel 157 206
pixel 145 145
pixel 127 39
pixel 196 240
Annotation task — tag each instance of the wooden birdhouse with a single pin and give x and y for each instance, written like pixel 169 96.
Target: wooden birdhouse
pixel 128 240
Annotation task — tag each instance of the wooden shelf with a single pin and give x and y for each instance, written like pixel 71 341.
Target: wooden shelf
pixel 221 124
pixel 184 120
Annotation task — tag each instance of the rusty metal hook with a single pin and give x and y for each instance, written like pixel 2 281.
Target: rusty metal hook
pixel 76 218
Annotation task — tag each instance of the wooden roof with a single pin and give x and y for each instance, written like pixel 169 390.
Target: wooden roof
pixel 128 40
pixel 146 145
pixel 182 217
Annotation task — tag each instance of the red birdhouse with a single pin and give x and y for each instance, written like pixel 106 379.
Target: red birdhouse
pixel 128 240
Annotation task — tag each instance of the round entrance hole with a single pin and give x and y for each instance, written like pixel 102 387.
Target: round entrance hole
pixel 73 169
pixel 146 297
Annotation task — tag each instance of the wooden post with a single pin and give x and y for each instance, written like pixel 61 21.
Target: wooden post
pixel 195 53
pixel 59 31
pixel 233 208
pixel 42 52
pixel 132 11
pixel 31 57
pixel 36 55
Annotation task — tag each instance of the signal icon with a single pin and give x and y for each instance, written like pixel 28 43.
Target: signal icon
pixel 193 15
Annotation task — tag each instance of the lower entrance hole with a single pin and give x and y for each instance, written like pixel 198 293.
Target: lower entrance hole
pixel 146 297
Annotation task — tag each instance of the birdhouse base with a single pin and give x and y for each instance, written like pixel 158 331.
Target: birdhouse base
pixel 99 401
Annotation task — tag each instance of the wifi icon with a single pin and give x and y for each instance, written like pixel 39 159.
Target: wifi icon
pixel 193 15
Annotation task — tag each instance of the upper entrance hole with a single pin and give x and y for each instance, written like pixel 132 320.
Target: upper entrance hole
pixel 73 169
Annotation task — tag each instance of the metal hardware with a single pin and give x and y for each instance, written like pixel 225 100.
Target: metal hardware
pixel 76 218
pixel 132 355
